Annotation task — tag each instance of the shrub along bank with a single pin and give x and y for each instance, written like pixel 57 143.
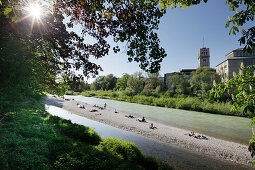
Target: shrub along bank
pixel 177 102
pixel 31 138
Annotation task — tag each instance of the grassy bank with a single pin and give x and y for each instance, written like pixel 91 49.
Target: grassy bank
pixel 30 138
pixel 179 102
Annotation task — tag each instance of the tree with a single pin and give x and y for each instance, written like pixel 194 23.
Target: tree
pixel 243 95
pixel 244 12
pixel 85 86
pixel 109 82
pixel 180 83
pixel 152 81
pixel 98 83
pixel 133 22
pixel 134 84
pixel 122 82
pixel 202 80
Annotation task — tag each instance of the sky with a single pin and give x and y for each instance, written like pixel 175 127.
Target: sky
pixel 181 32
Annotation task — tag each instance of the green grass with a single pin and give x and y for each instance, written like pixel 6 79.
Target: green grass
pixel 30 138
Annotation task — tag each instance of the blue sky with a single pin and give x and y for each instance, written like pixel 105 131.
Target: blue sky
pixel 181 32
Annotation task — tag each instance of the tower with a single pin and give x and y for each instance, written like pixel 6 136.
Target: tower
pixel 204 57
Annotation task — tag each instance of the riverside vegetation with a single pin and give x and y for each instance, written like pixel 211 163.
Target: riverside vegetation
pixel 32 138
pixel 188 93
pixel 163 100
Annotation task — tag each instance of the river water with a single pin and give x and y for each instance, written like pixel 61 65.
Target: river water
pixel 174 155
pixel 220 126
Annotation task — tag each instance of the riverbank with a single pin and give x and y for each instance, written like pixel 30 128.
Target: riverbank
pixel 31 138
pixel 176 102
pixel 213 147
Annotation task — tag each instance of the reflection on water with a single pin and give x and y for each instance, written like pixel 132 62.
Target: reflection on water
pixel 225 127
pixel 174 155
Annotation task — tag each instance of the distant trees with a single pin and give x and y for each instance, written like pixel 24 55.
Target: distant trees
pixel 122 82
pixel 199 82
pixel 180 84
pixel 134 84
pixel 104 83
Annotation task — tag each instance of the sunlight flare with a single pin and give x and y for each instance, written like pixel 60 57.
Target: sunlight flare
pixel 34 10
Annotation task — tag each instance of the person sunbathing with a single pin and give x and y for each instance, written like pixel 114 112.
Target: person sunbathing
pixel 129 116
pixel 192 133
pixel 93 110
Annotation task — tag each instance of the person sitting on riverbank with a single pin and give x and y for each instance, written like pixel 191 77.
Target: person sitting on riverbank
pixel 152 126
pixel 115 111
pixel 141 120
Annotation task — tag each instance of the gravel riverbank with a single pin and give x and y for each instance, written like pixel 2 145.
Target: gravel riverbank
pixel 213 147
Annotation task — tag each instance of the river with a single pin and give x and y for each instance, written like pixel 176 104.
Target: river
pixel 230 128
pixel 172 154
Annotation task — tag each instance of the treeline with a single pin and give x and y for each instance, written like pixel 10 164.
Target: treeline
pixel 198 83
pixel 188 92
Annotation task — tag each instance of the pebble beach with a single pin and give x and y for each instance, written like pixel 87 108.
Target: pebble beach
pixel 213 147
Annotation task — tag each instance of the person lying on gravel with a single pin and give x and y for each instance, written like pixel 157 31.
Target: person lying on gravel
pixel 129 116
pixel 197 136
pixel 93 110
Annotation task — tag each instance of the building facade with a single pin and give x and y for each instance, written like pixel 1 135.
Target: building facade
pixel 204 57
pixel 233 62
pixel 203 61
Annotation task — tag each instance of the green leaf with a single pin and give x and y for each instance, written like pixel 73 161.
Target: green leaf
pixel 7 11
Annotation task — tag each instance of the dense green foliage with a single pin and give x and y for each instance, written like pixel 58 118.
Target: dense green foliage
pixel 32 138
pixel 199 83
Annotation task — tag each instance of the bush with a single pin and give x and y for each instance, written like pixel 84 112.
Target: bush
pixel 122 149
pixel 169 93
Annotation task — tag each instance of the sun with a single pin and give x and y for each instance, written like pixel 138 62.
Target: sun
pixel 34 10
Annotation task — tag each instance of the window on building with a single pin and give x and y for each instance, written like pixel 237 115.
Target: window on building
pixel 204 60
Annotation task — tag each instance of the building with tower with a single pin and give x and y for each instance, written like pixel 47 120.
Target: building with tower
pixel 204 57
pixel 203 61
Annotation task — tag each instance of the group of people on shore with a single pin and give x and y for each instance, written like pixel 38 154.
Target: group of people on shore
pixel 80 106
pixel 128 116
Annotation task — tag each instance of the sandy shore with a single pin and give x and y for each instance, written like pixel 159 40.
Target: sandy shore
pixel 213 147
